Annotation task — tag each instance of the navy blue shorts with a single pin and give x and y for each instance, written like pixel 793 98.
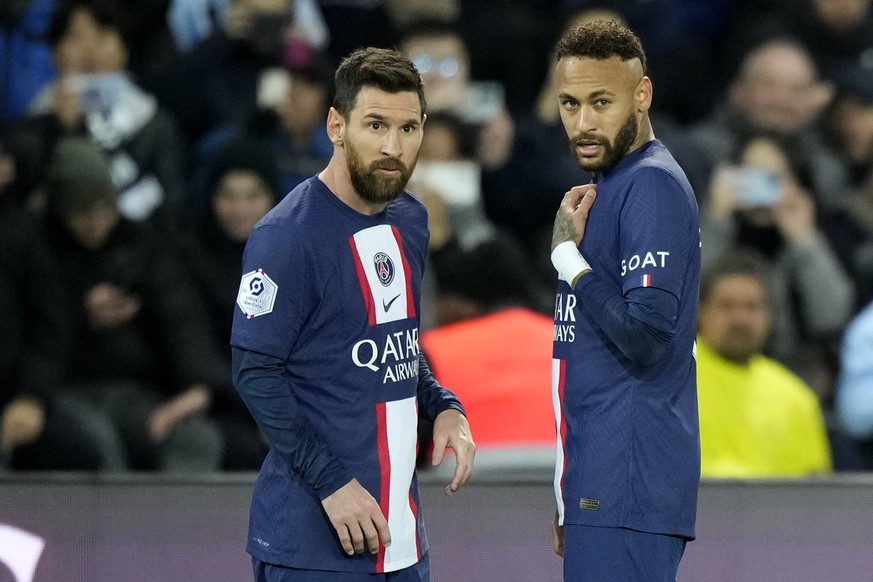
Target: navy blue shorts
pixel 264 572
pixel 613 554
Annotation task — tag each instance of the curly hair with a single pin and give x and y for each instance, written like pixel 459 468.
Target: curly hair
pixel 601 40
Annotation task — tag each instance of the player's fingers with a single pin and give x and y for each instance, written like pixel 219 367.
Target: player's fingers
pixel 461 476
pixel 586 201
pixel 439 448
pixel 345 539
pixel 558 539
pixel 382 529
pixel 357 536
pixel 571 199
pixel 371 536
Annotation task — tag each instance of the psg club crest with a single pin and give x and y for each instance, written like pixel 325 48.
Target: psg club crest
pixel 257 294
pixel 384 268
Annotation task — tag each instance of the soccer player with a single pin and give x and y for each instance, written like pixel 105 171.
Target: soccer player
pixel 326 352
pixel 627 251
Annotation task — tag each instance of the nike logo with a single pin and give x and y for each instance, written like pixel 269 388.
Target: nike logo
pixel 388 305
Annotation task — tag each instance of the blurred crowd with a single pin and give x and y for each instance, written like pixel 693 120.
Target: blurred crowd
pixel 141 141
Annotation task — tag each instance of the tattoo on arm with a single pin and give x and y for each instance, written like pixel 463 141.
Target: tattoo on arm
pixel 565 230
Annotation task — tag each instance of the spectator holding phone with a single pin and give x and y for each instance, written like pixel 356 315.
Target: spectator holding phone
pixel 762 202
pixel 95 96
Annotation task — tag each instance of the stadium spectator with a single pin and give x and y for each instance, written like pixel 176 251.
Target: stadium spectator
pixel 143 365
pixel 777 90
pixel 243 184
pixel 223 78
pixel 95 96
pixel 25 57
pixel 192 21
pixel 838 33
pixel 851 123
pixel 37 430
pixel 440 55
pixel 757 418
pixel 854 399
pixel 762 202
pixel 477 267
pixel 292 124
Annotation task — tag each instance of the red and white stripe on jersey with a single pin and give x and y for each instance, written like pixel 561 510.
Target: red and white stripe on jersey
pixel 645 280
pixel 389 301
pixel 559 375
pixel 397 434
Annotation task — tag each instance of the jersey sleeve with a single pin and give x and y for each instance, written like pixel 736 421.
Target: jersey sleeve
pixel 271 303
pixel 659 232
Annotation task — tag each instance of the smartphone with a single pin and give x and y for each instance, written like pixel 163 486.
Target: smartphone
pixel 754 187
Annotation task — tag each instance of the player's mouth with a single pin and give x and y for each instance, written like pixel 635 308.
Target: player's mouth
pixel 588 149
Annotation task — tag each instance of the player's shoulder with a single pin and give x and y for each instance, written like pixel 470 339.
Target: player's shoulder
pixel 658 164
pixel 408 202
pixel 295 215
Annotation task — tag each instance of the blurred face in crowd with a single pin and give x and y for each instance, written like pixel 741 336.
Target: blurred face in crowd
pixel 381 139
pixel 440 144
pixel 842 15
pixel 442 62
pixel 241 200
pixel 91 227
pixel 778 89
pixel 602 103
pixel 853 121
pixel 88 48
pixel 303 107
pixel 734 317
pixel 261 24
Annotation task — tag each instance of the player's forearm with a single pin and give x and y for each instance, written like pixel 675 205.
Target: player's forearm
pixel 433 398
pixel 641 325
pixel 263 386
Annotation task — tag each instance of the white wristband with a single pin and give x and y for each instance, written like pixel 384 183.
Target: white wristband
pixel 568 261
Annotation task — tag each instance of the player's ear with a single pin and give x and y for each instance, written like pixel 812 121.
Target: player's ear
pixel 336 124
pixel 643 95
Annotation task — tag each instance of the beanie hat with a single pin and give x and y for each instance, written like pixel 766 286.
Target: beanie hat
pixel 78 177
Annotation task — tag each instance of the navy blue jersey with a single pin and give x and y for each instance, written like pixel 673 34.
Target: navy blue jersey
pixel 629 453
pixel 335 295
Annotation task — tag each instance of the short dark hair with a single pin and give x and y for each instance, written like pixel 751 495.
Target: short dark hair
pixel 601 40
pixel 740 262
pixel 384 69
pixel 106 13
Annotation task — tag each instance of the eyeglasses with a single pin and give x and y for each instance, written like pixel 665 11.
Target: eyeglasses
pixel 444 67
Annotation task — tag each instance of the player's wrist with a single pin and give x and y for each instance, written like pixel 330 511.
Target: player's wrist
pixel 569 262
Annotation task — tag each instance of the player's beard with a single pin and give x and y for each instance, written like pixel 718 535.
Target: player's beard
pixel 369 183
pixel 613 152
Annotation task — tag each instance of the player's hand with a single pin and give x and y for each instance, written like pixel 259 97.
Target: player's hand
pixel 573 214
pixel 357 519
pixel 558 536
pixel 451 430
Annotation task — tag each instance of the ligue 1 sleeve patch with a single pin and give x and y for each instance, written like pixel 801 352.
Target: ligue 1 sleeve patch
pixel 257 294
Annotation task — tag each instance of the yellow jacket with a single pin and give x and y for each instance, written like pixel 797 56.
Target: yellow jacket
pixel 757 420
